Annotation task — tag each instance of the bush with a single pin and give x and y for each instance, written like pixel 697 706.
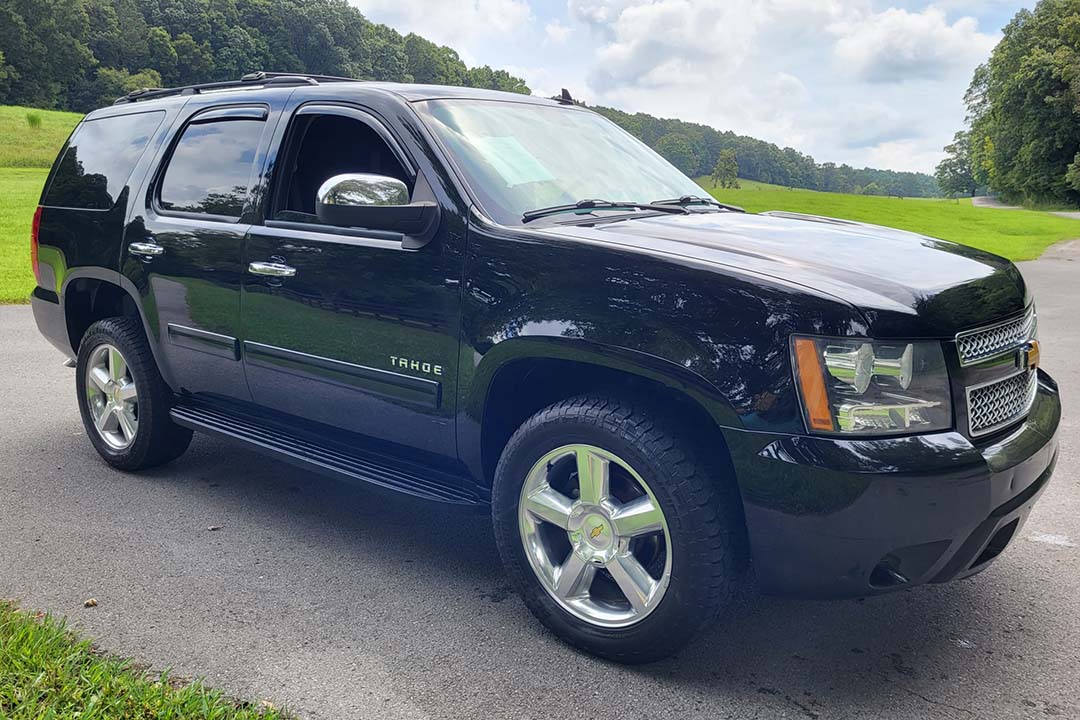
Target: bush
pixel 33 119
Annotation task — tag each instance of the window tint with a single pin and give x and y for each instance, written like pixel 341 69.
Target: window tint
pixel 210 168
pixel 99 159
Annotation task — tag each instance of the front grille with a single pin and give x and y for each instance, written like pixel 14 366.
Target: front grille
pixel 997 404
pixel 984 343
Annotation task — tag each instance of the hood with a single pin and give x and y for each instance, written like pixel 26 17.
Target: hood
pixel 906 285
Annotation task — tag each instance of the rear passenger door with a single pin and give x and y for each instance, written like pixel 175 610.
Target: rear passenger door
pixel 185 251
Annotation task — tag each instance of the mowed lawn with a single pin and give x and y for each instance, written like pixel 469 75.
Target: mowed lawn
pixel 20 189
pixel 27 152
pixel 1015 234
pixel 22 145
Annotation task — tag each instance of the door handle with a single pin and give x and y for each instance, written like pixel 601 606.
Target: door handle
pixel 146 250
pixel 272 269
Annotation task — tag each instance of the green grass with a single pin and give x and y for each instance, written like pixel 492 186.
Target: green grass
pixel 20 189
pixel 27 151
pixel 1015 234
pixel 48 672
pixel 24 146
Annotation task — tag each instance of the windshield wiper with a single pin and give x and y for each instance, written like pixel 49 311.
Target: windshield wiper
pixel 601 205
pixel 697 200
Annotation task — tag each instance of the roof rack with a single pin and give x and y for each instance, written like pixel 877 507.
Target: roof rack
pixel 259 78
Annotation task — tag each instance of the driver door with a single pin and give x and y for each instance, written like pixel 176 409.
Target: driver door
pixel 352 329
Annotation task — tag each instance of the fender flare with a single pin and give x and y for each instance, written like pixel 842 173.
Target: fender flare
pixel 118 280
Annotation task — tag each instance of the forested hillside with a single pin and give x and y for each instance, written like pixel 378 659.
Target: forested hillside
pixel 1023 140
pixel 82 54
pixel 695 149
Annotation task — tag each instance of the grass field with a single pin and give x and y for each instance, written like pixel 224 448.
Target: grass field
pixel 1015 234
pixel 26 154
pixel 47 672
pixel 20 189
pixel 24 146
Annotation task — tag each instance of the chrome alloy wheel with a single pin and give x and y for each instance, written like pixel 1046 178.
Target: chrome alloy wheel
pixel 112 397
pixel 595 535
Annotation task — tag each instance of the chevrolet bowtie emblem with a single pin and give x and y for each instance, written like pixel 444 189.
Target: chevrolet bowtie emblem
pixel 1031 355
pixel 596 531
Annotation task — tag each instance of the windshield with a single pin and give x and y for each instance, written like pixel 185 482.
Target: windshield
pixel 518 157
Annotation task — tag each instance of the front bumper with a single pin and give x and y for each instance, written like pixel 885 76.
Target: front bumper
pixel 844 518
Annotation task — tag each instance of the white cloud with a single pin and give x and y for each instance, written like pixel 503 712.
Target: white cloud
pixel 897 45
pixel 457 24
pixel 556 33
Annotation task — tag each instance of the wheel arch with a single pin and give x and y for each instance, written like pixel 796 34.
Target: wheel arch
pixel 92 294
pixel 521 376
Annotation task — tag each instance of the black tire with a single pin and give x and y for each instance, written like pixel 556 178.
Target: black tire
pixel 699 500
pixel 158 439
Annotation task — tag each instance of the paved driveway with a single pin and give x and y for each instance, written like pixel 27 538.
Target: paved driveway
pixel 344 603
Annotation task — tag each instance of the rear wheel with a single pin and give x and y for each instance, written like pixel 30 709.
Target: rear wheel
pixel 123 399
pixel 620 539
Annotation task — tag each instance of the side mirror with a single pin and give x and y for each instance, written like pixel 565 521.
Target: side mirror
pixel 374 202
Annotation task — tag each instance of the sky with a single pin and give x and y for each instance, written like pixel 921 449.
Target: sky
pixel 863 82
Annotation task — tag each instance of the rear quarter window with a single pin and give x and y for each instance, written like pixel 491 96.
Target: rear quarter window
pixel 98 160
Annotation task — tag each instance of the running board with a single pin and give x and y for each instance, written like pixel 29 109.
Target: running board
pixel 330 459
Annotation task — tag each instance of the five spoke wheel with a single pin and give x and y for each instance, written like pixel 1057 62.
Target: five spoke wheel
pixel 112 397
pixel 595 535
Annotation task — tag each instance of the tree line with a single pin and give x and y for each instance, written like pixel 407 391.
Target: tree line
pixel 83 54
pixel 1023 136
pixel 696 149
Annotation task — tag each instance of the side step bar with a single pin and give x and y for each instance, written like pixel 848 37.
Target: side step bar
pixel 329 459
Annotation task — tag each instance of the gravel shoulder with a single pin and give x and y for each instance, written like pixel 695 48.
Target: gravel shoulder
pixel 338 601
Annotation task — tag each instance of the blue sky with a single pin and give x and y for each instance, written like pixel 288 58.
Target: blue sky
pixel 865 82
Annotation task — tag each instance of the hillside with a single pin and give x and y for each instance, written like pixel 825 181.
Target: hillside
pixel 26 153
pixel 1015 234
pixel 22 145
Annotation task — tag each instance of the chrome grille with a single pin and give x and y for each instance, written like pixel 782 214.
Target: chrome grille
pixel 984 343
pixel 997 404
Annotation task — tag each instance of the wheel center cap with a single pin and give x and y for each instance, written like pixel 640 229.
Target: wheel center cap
pixel 592 535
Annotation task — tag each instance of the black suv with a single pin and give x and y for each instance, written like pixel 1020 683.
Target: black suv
pixel 508 302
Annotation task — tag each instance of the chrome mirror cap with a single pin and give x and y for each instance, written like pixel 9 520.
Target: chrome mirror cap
pixel 357 189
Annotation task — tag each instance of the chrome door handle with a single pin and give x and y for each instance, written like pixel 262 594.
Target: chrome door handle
pixel 146 249
pixel 272 269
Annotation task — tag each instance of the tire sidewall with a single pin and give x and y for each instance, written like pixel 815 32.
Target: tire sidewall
pixel 661 629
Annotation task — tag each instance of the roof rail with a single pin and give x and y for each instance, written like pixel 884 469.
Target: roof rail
pixel 259 78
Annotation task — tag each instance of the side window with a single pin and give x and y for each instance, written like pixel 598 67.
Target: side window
pixel 98 160
pixel 319 147
pixel 210 168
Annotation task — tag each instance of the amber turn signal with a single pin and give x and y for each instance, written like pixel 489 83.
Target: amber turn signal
pixel 812 384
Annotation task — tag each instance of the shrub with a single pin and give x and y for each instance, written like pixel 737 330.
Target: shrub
pixel 33 119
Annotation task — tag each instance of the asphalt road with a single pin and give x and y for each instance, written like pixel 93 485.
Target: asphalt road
pixel 340 602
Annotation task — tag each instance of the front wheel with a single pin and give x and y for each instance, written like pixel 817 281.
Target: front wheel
pixel 123 399
pixel 619 537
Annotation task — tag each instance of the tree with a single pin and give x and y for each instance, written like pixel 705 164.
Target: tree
pixel 955 174
pixel 1024 106
pixel 1073 175
pixel 111 84
pixel 726 171
pixel 679 151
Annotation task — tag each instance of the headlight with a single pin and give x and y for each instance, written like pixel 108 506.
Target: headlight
pixel 859 387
